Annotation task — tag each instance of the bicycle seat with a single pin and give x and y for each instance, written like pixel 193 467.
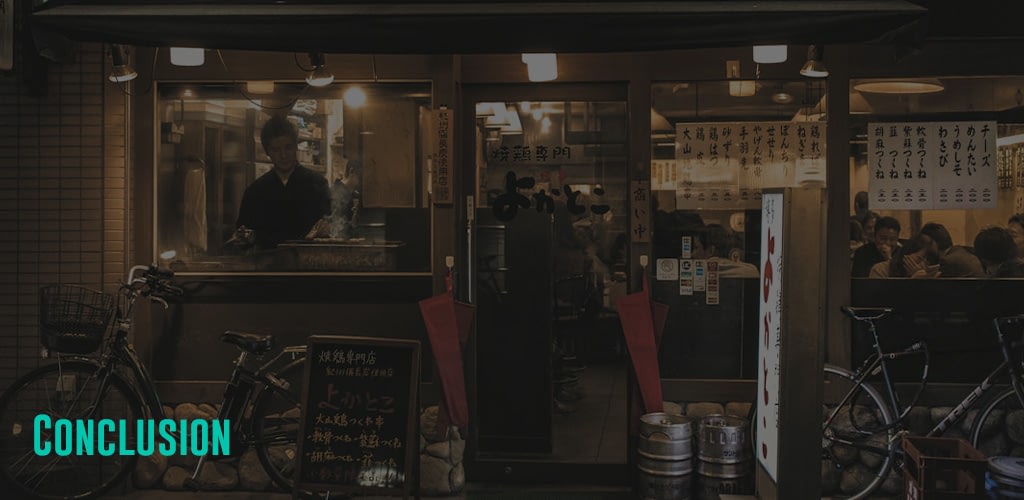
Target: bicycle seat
pixel 863 313
pixel 249 342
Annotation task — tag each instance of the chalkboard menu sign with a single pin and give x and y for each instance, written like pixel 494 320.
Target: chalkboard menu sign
pixel 358 427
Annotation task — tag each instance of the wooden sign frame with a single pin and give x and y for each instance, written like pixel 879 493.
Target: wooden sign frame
pixel 411 437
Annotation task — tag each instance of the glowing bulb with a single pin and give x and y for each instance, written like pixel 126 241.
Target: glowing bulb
pixel 354 97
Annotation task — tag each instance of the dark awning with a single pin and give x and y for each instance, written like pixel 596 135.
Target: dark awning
pixel 412 27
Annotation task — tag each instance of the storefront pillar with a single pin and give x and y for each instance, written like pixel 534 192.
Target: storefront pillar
pixel 791 348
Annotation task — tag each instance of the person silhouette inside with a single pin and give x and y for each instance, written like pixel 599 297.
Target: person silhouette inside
pixel 290 202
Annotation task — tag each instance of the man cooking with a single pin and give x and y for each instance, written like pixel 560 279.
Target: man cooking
pixel 289 202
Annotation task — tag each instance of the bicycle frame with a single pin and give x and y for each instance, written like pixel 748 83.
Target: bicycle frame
pixel 121 352
pixel 877 362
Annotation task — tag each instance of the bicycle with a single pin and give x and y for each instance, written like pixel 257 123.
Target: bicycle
pixel 262 404
pixel 865 423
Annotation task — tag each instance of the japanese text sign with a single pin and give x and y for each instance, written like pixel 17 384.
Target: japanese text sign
pixel 725 165
pixel 441 138
pixel 932 165
pixel 769 337
pixel 357 430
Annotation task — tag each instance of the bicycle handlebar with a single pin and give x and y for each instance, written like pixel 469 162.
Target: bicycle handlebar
pixel 152 280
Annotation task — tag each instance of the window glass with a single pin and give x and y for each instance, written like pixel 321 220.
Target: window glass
pixel 714 146
pixel 345 193
pixel 939 163
pixel 562 158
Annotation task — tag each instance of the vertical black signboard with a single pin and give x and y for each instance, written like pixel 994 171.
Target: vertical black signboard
pixel 358 429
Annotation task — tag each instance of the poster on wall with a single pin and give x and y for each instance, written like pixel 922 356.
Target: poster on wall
pixel 663 175
pixel 932 165
pixel 725 165
pixel 769 342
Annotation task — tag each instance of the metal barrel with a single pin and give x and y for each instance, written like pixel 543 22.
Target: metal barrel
pixel 665 461
pixel 725 461
pixel 724 439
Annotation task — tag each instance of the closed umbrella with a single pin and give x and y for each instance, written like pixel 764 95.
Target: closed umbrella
pixel 448 323
pixel 643 321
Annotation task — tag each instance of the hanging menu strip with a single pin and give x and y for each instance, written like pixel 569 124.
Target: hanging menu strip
pixel 357 431
pixel 725 165
pixel 932 165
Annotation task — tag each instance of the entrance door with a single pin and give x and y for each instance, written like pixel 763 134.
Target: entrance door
pixel 548 250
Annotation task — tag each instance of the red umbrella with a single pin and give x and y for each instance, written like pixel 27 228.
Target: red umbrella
pixel 448 324
pixel 643 321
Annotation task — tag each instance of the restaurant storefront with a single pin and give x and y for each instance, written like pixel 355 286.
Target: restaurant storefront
pixel 556 193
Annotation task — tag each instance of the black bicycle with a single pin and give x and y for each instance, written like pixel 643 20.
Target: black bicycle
pixel 262 403
pixel 864 417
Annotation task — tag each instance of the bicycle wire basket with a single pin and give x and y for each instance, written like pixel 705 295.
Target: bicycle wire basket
pixel 73 318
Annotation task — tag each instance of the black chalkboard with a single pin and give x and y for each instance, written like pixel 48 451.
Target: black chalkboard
pixel 358 428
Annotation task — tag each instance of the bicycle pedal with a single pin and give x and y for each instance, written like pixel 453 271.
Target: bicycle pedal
pixel 192 484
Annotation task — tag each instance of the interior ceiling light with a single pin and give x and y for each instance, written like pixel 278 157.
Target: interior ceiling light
pixel 814 68
pixel 260 87
pixel 484 109
pixel 515 126
pixel 121 70
pixel 354 97
pixel 187 56
pixel 541 67
pixel 911 86
pixel 781 97
pixel 770 54
pixel 320 76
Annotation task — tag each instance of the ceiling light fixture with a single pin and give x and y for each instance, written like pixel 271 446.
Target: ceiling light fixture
pixel 354 97
pixel 782 97
pixel 320 76
pixel 484 109
pixel 259 87
pixel 515 126
pixel 814 68
pixel 121 70
pixel 188 56
pixel 770 54
pixel 906 86
pixel 541 67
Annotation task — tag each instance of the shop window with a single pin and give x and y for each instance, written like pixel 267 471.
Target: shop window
pixel 945 151
pixel 360 149
pixel 715 145
pixel 566 159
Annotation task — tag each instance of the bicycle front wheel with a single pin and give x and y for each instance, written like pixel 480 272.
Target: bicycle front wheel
pixel 857 439
pixel 275 425
pixel 72 390
pixel 995 431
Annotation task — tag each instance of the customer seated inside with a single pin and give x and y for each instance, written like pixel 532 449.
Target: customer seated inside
pixel 996 250
pixel 880 249
pixel 954 261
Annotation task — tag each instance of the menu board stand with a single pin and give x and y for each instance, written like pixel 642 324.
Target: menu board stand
pixel 358 427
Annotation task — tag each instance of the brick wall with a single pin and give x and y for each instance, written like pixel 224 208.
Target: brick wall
pixel 62 193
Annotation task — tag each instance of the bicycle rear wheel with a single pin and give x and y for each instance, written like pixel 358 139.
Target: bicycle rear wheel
pixel 275 425
pixel 65 390
pixel 857 445
pixel 993 433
